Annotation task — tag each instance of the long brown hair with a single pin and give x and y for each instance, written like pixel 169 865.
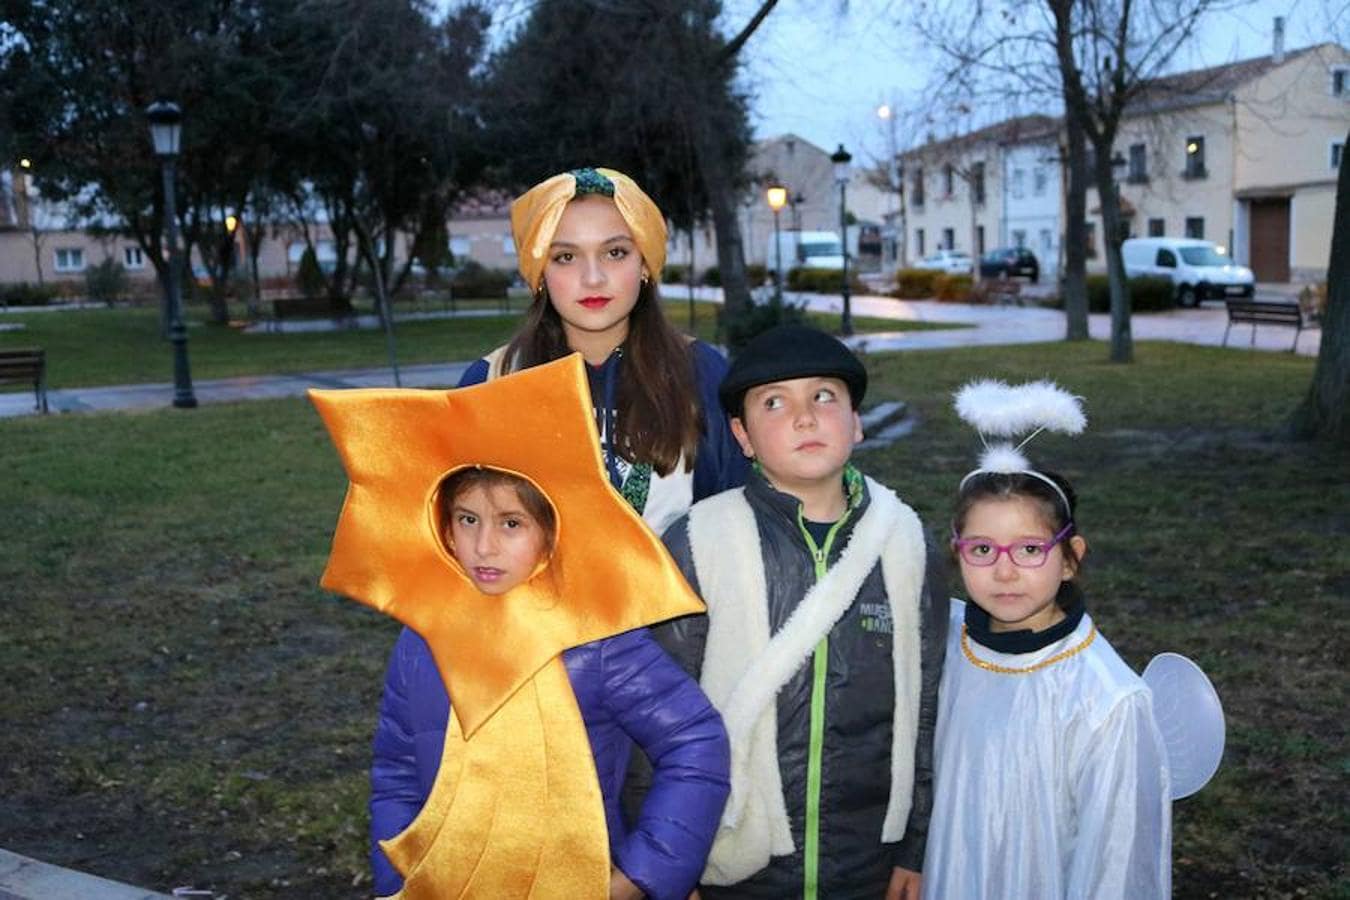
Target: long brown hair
pixel 657 406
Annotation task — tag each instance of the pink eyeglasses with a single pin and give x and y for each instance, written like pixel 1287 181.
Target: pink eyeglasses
pixel 1028 554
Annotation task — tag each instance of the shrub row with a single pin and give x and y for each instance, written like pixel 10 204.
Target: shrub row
pixel 21 293
pixel 1147 294
pixel 822 281
pixel 476 281
pixel 916 284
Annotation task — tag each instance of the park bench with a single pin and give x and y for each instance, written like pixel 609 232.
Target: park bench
pixel 1000 291
pixel 306 308
pixel 27 365
pixel 1264 312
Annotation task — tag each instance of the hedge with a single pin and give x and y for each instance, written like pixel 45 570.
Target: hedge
pixel 916 284
pixel 675 274
pixel 22 293
pixel 1147 294
pixel 821 281
pixel 954 288
pixel 476 281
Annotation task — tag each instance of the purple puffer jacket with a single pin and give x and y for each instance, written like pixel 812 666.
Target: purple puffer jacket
pixel 629 691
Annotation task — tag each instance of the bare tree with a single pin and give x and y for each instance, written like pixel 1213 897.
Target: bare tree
pixel 1093 58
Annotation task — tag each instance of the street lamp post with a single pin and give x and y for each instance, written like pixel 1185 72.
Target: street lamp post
pixel 777 196
pixel 166 128
pixel 841 159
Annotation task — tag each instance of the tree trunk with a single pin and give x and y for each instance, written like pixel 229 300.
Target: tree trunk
pixel 1122 340
pixel 722 195
pixel 1322 415
pixel 1074 276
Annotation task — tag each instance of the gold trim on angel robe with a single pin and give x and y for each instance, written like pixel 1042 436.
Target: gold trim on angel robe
pixel 516 809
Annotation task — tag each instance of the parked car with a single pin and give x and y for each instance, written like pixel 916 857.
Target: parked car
pixel 805 249
pixel 1196 268
pixel 953 262
pixel 1006 262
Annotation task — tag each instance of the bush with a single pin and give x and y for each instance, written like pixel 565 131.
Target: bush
pixel 954 288
pixel 473 280
pixel 1147 294
pixel 750 321
pixel 757 273
pixel 821 281
pixel 106 282
pixel 712 276
pixel 675 274
pixel 21 293
pixel 310 278
pixel 916 284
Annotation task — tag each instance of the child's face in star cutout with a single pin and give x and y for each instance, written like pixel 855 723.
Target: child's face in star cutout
pixel 497 541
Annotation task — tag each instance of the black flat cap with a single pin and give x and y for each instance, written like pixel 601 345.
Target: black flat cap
pixel 790 351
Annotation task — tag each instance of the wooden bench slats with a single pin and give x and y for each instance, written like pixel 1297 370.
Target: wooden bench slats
pixel 1264 312
pixel 28 364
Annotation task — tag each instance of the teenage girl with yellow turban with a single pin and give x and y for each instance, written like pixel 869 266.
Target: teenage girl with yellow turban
pixel 590 244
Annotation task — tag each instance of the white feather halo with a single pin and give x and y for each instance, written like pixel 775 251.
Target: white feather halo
pixel 997 409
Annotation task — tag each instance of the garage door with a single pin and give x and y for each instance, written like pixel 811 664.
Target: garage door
pixel 1270 239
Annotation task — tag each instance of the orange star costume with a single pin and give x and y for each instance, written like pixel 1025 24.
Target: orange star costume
pixel 516 809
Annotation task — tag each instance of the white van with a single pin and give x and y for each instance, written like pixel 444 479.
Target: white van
pixel 805 249
pixel 1196 268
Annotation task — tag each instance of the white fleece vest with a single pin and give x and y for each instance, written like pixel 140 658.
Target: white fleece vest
pixel 744 667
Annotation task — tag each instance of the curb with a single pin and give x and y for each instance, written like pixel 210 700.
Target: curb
pixel 22 878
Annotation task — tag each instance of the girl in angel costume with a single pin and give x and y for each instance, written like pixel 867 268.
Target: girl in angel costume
pixel 1052 772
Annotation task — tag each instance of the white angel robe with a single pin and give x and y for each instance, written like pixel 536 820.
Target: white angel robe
pixel 1050 784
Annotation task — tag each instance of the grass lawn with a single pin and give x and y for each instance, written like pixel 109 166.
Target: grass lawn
pixel 185 706
pixel 87 347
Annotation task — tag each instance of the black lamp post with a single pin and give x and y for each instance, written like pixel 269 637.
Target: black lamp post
pixel 777 196
pixel 166 129
pixel 841 159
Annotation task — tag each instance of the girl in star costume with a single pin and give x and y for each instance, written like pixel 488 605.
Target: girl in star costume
pixel 512 791
pixel 1052 775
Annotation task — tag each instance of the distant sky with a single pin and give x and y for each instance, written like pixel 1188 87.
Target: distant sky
pixel 822 74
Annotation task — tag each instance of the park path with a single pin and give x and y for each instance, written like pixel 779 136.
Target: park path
pixel 986 326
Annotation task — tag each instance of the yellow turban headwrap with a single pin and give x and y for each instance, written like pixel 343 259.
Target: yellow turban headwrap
pixel 535 215
pixel 516 811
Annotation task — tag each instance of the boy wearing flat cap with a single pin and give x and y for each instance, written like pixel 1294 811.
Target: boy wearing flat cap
pixel 823 642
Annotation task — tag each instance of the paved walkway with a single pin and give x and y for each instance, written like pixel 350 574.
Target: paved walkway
pixel 989 325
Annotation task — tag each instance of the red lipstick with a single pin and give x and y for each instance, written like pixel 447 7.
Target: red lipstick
pixel 594 302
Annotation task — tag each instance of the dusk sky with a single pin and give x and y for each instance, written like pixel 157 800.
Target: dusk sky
pixel 822 75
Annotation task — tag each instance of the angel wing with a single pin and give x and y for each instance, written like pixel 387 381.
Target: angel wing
pixel 1190 717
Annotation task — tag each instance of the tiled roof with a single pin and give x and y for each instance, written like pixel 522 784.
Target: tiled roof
pixel 1202 86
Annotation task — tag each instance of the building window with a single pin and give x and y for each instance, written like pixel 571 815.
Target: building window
pixel 1138 164
pixel 979 239
pixel 1195 157
pixel 1090 239
pixel 69 259
pixel 1017 189
pixel 1340 81
pixel 949 239
pixel 918 241
pixel 948 180
pixel 918 189
pixel 1195 226
pixel 1157 228
pixel 1337 149
pixel 977 182
pixel 1047 241
pixel 133 258
pixel 1019 238
pixel 1038 181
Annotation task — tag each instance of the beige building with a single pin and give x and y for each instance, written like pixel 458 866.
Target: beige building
pixel 1244 155
pixel 955 191
pixel 813 204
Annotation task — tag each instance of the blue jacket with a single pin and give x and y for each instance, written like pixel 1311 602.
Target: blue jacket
pixel 629 691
